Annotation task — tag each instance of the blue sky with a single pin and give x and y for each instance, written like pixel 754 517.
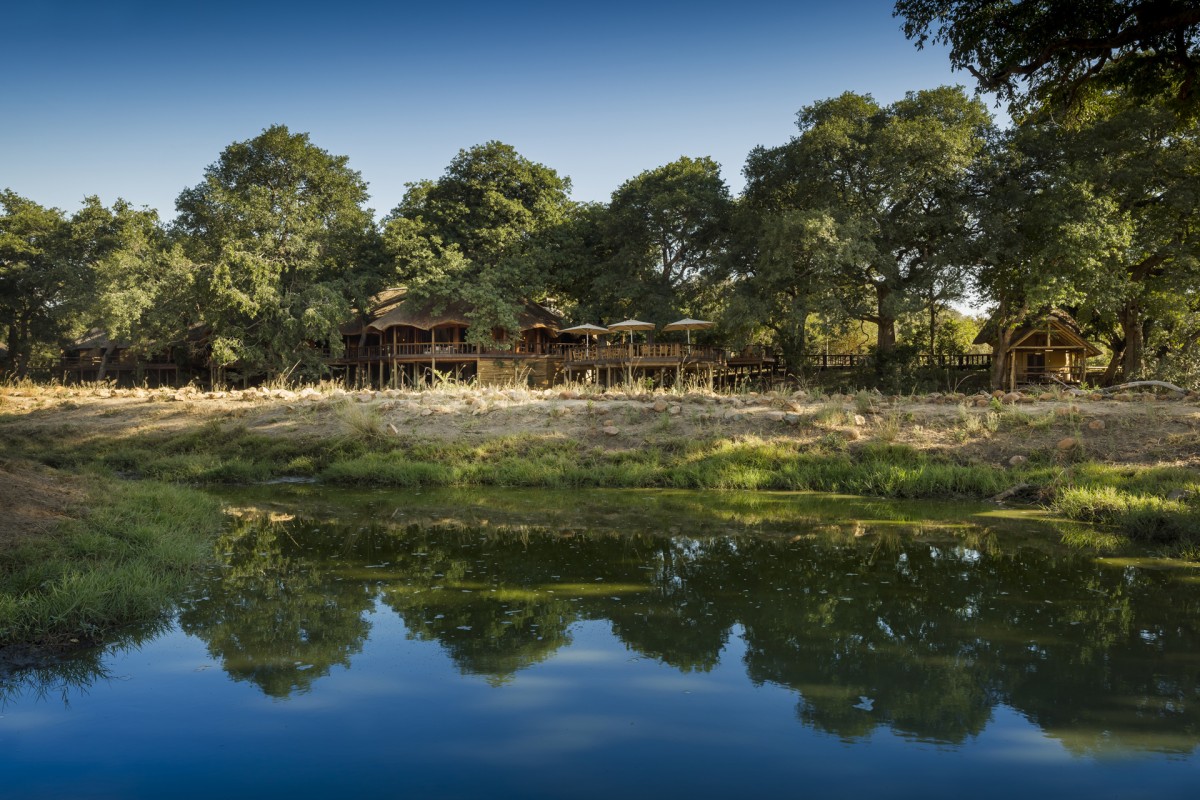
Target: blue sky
pixel 134 99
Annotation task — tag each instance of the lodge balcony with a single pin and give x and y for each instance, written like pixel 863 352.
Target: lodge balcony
pixel 431 351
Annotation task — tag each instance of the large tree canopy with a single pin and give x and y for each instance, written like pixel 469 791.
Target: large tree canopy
pixel 651 251
pixel 38 278
pixel 283 237
pixel 897 179
pixel 470 234
pixel 1100 218
pixel 1059 53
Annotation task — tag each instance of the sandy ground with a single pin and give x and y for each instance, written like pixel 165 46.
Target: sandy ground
pixel 1132 428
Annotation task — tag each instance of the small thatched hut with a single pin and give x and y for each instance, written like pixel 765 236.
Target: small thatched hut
pixel 1045 348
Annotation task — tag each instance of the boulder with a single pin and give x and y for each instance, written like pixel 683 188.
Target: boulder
pixel 1067 444
pixel 1096 425
pixel 610 430
pixel 1017 461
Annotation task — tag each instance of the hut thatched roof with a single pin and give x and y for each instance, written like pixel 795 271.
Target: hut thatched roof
pixel 987 334
pixel 95 339
pixel 389 309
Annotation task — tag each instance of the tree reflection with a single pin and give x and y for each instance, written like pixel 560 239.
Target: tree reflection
pixel 278 614
pixel 919 629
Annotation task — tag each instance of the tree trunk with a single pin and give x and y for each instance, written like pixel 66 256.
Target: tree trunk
pixel 104 356
pixel 886 321
pixel 1117 348
pixel 932 331
pixel 1000 355
pixel 1135 343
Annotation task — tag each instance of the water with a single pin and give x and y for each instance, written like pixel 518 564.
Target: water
pixel 633 644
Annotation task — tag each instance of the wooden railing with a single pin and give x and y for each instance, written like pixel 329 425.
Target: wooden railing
pixel 621 353
pixel 433 350
pixel 76 363
pixel 1051 374
pixel 863 360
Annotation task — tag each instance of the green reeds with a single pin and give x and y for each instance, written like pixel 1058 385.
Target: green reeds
pixel 124 562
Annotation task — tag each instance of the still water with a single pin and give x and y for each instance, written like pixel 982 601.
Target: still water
pixel 632 644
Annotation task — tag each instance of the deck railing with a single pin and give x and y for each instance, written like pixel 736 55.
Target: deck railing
pixel 433 350
pixel 863 360
pixel 621 353
pixel 87 363
pixel 1077 374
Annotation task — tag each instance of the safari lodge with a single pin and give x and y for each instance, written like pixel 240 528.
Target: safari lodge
pixel 399 344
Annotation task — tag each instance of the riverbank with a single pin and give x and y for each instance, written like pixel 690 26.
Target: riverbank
pixel 1130 464
pixel 82 555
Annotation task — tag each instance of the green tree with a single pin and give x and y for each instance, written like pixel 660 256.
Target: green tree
pixel 285 245
pixel 667 230
pixel 470 234
pixel 897 179
pixel 38 279
pixel 783 280
pixel 1062 54
pixel 141 285
pixel 1097 218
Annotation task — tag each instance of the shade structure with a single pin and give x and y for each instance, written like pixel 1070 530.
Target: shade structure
pixel 587 329
pixel 688 324
pixel 632 325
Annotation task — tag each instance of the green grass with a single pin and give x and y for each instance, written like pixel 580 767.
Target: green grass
pixel 1129 500
pixel 123 563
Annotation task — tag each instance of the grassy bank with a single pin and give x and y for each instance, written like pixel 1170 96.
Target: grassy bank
pixel 1103 462
pixel 121 558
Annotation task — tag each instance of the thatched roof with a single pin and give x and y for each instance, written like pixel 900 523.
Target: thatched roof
pixel 388 309
pixel 95 339
pixel 1033 322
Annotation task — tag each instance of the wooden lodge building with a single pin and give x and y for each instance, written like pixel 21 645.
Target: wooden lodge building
pixel 398 345
pixel 94 357
pixel 1049 348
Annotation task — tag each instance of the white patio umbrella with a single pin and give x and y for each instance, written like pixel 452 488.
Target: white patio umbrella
pixel 588 330
pixel 630 325
pixel 688 324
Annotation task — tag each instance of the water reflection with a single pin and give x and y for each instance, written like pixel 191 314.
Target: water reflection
pixel 922 626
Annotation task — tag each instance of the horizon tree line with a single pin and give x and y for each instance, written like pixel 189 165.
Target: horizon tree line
pixel 864 229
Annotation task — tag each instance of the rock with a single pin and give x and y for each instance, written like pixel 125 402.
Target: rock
pixel 1017 461
pixel 791 419
pixel 1181 495
pixel 983 402
pixel 392 429
pixel 426 412
pixel 660 405
pixel 1096 425
pixel 1067 444
pixel 675 410
pixel 1010 397
pixel 1096 396
pixel 853 435
pixel 999 394
pixel 775 416
pixel 610 430
pixel 179 397
pixel 1064 411
pixel 860 420
pixel 309 391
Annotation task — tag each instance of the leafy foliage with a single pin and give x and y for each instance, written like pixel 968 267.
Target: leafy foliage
pixel 285 244
pixel 1065 54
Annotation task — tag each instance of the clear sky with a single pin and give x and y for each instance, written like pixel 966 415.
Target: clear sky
pixel 133 99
